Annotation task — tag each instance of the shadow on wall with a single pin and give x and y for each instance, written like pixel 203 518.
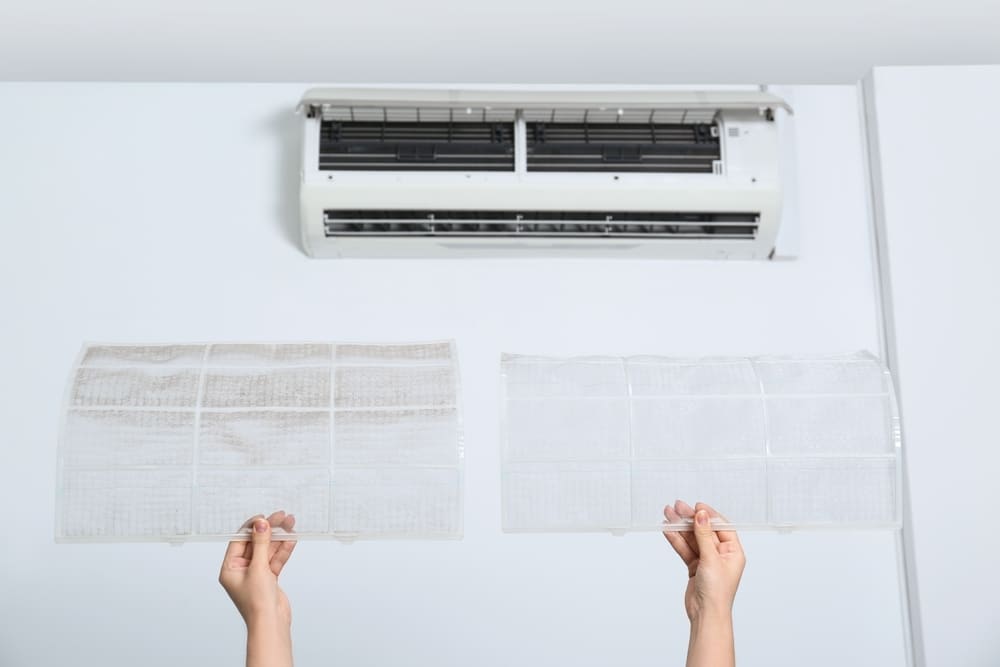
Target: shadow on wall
pixel 285 127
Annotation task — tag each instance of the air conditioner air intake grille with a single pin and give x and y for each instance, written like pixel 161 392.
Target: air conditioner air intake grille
pixel 416 146
pixel 540 224
pixel 626 147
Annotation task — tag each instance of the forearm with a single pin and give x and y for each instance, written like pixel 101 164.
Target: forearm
pixel 269 643
pixel 711 643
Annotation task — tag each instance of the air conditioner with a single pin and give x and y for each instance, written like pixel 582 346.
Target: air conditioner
pixel 431 172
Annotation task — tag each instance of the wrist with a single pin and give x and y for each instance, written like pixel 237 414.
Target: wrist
pixel 269 642
pixel 711 641
pixel 267 621
pixel 712 616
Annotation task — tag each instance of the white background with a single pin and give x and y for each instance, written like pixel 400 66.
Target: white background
pixel 942 228
pixel 168 213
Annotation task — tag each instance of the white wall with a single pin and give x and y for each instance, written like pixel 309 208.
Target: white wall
pixel 167 213
pixel 939 146
pixel 541 41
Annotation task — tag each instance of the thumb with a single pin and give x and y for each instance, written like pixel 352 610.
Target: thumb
pixel 261 537
pixel 708 541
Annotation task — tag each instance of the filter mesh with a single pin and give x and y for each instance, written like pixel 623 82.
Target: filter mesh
pixel 185 442
pixel 603 443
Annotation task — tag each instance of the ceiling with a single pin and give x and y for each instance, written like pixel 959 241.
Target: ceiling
pixel 522 41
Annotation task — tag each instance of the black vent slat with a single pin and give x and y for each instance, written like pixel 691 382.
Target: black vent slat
pixel 416 146
pixel 631 147
pixel 539 224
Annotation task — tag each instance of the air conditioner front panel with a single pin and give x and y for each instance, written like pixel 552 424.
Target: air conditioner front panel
pixel 694 197
pixel 498 101
pixel 464 248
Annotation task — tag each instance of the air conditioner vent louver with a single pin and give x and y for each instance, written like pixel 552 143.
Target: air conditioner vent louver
pixel 416 146
pixel 646 147
pixel 539 224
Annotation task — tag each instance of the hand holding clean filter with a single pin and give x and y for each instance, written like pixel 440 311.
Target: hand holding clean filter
pixel 601 443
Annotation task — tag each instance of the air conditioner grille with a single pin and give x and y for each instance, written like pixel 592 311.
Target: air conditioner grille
pixel 540 224
pixel 416 146
pixel 626 147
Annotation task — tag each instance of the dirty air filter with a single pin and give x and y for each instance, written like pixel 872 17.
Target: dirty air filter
pixel 185 442
pixel 603 443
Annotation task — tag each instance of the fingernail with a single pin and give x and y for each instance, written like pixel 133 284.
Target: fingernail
pixel 701 517
pixel 260 526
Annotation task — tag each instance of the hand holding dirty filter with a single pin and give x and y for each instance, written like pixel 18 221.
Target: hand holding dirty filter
pixel 184 442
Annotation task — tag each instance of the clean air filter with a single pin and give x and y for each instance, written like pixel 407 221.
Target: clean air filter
pixel 602 444
pixel 185 442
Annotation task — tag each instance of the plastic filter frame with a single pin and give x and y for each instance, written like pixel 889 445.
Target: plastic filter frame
pixel 604 443
pixel 184 442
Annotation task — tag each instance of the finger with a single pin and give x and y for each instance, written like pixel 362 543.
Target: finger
pixel 708 541
pixel 275 520
pixel 729 547
pixel 712 512
pixel 724 535
pixel 677 540
pixel 670 514
pixel 261 541
pixel 240 547
pixel 282 555
pixel 687 512
pixel 285 548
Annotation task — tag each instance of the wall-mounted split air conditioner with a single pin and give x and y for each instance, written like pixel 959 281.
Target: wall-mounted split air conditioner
pixel 405 172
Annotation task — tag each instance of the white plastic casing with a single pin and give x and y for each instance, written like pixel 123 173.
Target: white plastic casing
pixel 748 180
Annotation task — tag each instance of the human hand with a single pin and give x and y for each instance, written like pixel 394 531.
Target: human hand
pixel 250 572
pixel 714 559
